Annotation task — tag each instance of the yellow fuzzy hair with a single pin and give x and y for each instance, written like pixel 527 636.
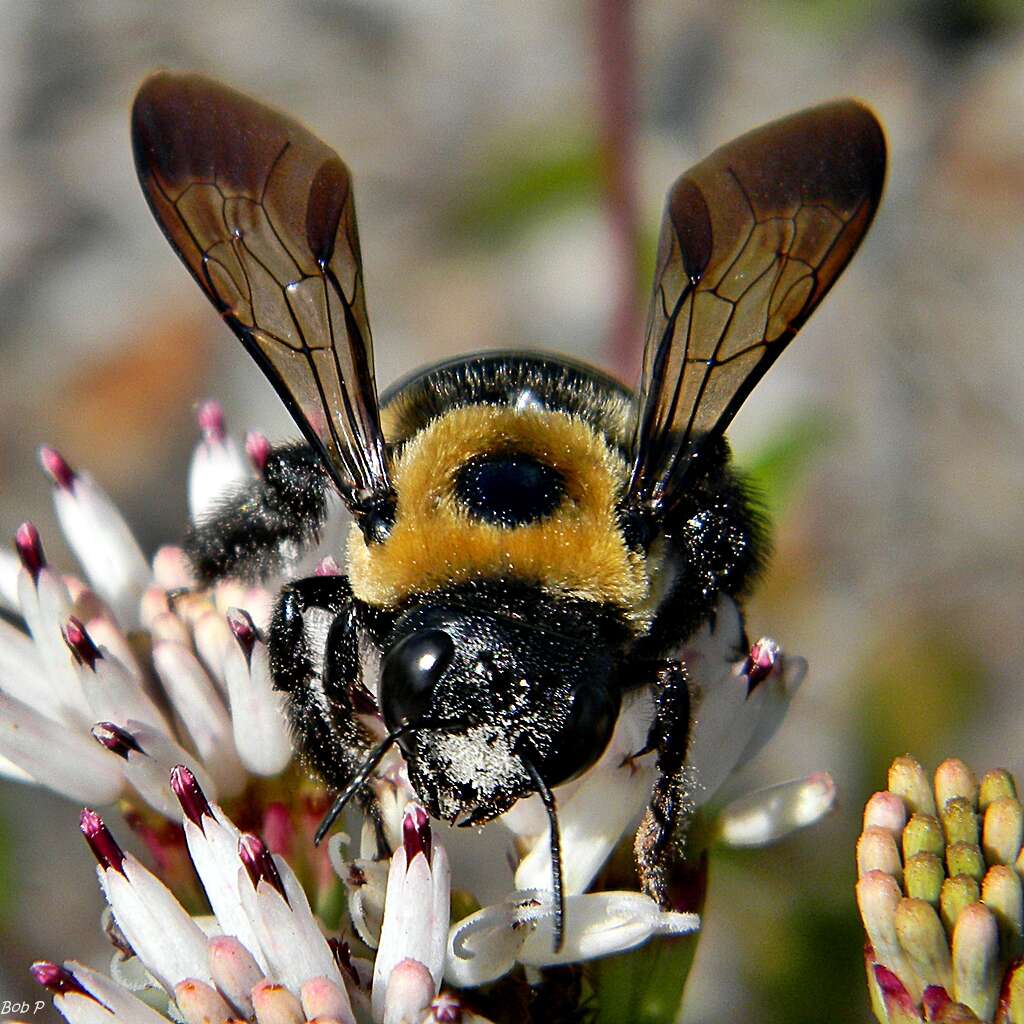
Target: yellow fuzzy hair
pixel 577 551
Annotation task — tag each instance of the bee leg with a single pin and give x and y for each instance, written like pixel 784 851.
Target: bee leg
pixel 314 659
pixel 256 528
pixel 656 845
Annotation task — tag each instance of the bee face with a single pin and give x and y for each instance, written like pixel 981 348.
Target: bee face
pixel 529 540
pixel 487 691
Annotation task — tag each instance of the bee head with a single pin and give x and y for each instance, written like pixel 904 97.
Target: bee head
pixel 485 703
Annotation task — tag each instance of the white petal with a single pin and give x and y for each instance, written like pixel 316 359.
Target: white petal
pixel 125 1006
pixel 166 939
pixel 171 570
pixel 257 712
pixel 45 606
pixel 104 545
pixel 770 814
pixel 214 850
pixel 599 924
pixel 235 971
pixel 150 771
pixel 115 695
pixel 214 643
pixel 9 567
pixel 203 713
pixel 483 946
pixel 9 770
pixel 782 685
pixel 218 466
pixel 289 934
pixel 274 1004
pixel 322 998
pixel 200 1003
pixel 22 673
pixel 724 722
pixel 409 992
pixel 70 763
pixel 79 1009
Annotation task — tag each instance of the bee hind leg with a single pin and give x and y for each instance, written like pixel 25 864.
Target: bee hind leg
pixel 658 839
pixel 256 528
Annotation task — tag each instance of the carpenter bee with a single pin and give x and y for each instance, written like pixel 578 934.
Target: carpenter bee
pixel 530 539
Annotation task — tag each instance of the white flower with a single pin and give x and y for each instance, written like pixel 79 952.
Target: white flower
pixel 77 708
pixel 188 720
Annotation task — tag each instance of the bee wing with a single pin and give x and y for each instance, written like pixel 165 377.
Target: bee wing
pixel 261 213
pixel 751 240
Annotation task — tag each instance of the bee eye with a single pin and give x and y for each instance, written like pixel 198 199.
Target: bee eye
pixel 409 673
pixel 509 488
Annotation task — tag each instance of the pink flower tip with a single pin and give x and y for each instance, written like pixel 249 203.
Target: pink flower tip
pixel 117 740
pixel 416 836
pixel 243 629
pixel 445 1009
pixel 190 795
pixel 58 980
pixel 327 567
pixel 102 843
pixel 211 420
pixel 56 468
pixel 30 549
pixel 259 864
pixel 760 662
pixel 257 447
pixel 81 645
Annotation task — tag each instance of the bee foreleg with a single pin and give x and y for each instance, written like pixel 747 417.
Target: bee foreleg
pixel 657 840
pixel 314 659
pixel 256 529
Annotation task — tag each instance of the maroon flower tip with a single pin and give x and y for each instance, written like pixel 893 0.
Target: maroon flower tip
pixel 117 740
pixel 342 953
pixel 59 472
pixel 893 990
pixel 244 630
pixel 258 862
pixel 935 1001
pixel 327 567
pixel 103 845
pixel 58 980
pixel 416 837
pixel 190 795
pixel 257 447
pixel 760 662
pixel 30 550
pixel 446 1009
pixel 80 643
pixel 211 420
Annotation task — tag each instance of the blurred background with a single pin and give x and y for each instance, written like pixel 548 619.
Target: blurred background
pixel 889 440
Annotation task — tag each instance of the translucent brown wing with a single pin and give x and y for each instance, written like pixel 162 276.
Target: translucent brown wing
pixel 261 212
pixel 752 239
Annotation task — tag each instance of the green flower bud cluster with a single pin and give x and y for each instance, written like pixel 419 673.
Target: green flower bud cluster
pixel 940 892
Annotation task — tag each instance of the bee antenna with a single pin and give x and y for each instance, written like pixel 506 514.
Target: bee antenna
pixel 555 843
pixel 359 779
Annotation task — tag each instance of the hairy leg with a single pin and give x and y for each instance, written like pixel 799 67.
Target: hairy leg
pixel 315 660
pixel 255 530
pixel 657 839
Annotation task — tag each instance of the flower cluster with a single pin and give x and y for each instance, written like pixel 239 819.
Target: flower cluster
pixel 136 687
pixel 941 897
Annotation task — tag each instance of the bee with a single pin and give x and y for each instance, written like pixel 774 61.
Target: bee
pixel 530 540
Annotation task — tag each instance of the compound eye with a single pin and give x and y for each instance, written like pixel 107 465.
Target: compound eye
pixel 409 673
pixel 584 736
pixel 509 488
